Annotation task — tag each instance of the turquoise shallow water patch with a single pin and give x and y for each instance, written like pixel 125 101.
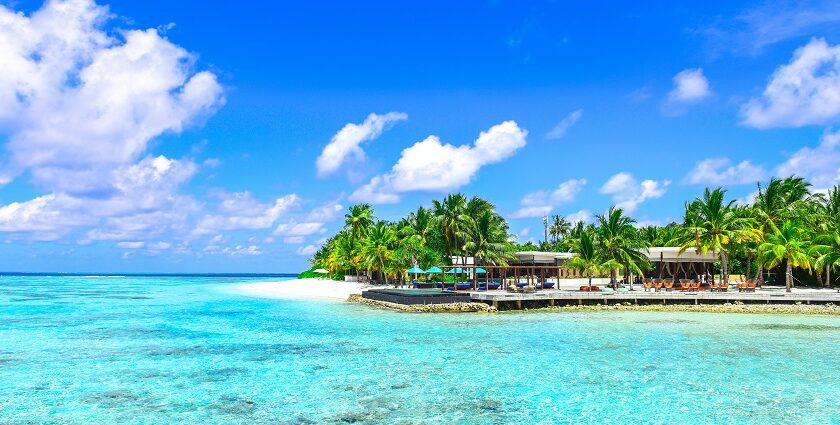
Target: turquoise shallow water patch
pixel 188 350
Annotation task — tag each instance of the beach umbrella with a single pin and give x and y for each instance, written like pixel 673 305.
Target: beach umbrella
pixel 435 269
pixel 416 270
pixel 455 270
pixel 480 270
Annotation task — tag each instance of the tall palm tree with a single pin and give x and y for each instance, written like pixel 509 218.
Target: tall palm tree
pixel 380 246
pixel 559 227
pixel 414 231
pixel 487 239
pixel 358 221
pixel 711 224
pixel 588 260
pixel 788 244
pixel 450 215
pixel 780 200
pixel 620 243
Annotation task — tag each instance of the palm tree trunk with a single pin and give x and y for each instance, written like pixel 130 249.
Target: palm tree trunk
pixel 828 276
pixel 759 276
pixel 788 277
pixel 819 279
pixel 590 282
pixel 749 266
pixel 724 267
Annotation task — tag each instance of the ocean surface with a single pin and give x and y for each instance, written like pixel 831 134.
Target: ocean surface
pixel 181 349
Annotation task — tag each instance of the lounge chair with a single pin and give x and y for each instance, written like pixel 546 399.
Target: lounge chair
pixel 713 286
pixel 724 286
pixel 742 286
pixel 482 286
pixel 684 284
pixel 584 288
pixel 648 284
pixel 657 285
pixel 548 285
pixel 463 285
pixel 751 285
pixel 694 285
pixel 596 289
pixel 669 284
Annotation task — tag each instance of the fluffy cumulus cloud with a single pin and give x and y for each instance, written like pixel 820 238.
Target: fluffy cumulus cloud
pixel 559 130
pixel 79 108
pixel 294 231
pixel 540 203
pixel 820 165
pixel 627 193
pixel 241 211
pixel 346 144
pixel 721 171
pixel 690 85
pixel 582 215
pixel 804 91
pixel 430 165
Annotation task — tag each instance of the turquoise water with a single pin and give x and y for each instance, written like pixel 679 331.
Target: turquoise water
pixel 190 350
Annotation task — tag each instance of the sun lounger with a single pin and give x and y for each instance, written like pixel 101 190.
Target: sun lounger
pixel 648 284
pixel 657 285
pixel 668 285
pixel 742 286
pixel 713 286
pixel 724 287
pixel 751 286
pixel 463 285
pixel 548 285
pixel 493 285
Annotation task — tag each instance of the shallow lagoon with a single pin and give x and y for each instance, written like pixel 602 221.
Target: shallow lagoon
pixel 167 349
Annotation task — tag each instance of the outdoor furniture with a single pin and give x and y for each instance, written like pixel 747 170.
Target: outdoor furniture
pixel 724 287
pixel 694 285
pixel 463 285
pixel 751 285
pixel 668 285
pixel 424 285
pixel 548 285
pixel 648 284
pixel 584 288
pixel 742 286
pixel 713 286
pixel 596 289
pixel 657 285
pixel 493 285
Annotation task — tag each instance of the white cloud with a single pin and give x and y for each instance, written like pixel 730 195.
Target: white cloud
pixel 540 203
pixel 430 165
pixel 582 215
pixel 307 250
pixel 79 108
pixel 346 143
pixel 627 193
pixel 559 131
pixel 241 211
pixel 294 240
pixel 819 165
pixel 236 251
pixel 690 85
pixel 804 91
pixel 720 171
pixel 298 229
pixel 755 29
pixel 131 245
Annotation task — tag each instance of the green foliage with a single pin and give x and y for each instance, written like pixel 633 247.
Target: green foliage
pixel 787 227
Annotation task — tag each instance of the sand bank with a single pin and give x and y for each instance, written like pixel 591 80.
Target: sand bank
pixel 302 288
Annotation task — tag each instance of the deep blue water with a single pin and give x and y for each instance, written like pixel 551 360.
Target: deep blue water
pixel 182 349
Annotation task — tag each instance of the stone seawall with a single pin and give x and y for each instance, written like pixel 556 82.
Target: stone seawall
pixel 425 308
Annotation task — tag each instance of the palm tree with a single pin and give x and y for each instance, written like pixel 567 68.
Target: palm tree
pixel 588 260
pixel 487 239
pixel 451 217
pixel 711 224
pixel 620 244
pixel 559 227
pixel 358 220
pixel 379 247
pixel 788 244
pixel 780 200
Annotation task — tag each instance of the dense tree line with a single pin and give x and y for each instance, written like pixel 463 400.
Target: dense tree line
pixel 787 227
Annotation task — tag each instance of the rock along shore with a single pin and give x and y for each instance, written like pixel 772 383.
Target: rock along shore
pixel 426 308
pixel 824 309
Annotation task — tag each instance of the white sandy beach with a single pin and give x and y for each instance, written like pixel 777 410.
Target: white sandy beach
pixel 302 288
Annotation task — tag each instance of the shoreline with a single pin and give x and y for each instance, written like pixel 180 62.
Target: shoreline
pixel 735 308
pixel 308 288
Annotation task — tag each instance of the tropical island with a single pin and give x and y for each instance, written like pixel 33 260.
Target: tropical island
pixel 787 237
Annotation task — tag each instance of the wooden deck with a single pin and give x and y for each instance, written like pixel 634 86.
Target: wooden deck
pixel 506 300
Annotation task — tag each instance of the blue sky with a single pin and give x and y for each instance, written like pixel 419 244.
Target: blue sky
pixel 163 136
